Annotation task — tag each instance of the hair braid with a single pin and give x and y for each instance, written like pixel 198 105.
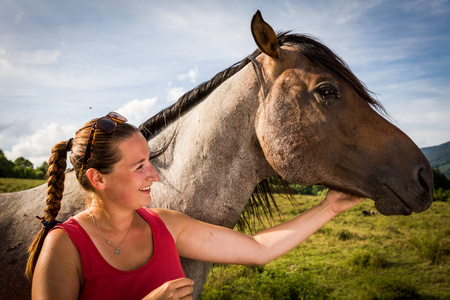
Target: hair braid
pixel 56 176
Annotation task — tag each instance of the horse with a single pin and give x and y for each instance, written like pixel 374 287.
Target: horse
pixel 292 109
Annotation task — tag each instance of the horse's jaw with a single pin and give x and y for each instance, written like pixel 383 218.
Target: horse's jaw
pixel 388 202
pixel 399 190
pixel 395 205
pixel 395 199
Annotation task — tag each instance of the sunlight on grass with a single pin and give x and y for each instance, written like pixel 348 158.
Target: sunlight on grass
pixel 10 185
pixel 351 257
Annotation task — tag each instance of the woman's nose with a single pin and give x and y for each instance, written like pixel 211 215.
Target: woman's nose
pixel 153 175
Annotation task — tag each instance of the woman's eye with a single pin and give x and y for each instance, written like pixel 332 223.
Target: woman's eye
pixel 140 167
pixel 327 91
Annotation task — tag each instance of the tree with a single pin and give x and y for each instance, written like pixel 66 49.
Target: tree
pixel 440 180
pixel 41 172
pixel 23 168
pixel 6 166
pixel 22 162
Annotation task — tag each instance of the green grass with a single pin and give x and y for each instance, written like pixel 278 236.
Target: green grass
pixel 9 185
pixel 351 257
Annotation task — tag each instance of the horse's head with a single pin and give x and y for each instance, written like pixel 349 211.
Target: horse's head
pixel 316 125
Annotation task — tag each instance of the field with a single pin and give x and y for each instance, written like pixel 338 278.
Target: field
pixel 9 185
pixel 351 257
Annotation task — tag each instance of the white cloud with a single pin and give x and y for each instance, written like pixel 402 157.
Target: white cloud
pixel 5 64
pixel 138 111
pixel 37 57
pixel 174 93
pixel 37 146
pixel 191 75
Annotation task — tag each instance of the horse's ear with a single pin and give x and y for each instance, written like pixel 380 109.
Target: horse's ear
pixel 264 36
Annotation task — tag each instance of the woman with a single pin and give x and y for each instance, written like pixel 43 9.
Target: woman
pixel 117 247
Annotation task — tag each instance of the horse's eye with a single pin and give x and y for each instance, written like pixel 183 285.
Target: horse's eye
pixel 328 91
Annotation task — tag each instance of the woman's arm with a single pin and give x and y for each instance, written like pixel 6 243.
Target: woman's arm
pixel 58 270
pixel 202 241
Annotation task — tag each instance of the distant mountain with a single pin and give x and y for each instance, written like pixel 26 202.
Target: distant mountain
pixel 439 157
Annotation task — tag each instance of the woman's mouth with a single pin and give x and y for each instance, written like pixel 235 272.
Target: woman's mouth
pixel 145 189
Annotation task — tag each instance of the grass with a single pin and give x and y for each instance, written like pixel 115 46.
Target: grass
pixel 351 257
pixel 10 185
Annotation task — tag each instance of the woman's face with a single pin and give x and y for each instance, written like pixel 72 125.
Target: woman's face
pixel 129 182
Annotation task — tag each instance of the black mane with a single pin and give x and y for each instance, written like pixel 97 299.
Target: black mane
pixel 309 47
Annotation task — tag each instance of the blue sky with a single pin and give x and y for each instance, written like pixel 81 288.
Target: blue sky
pixel 63 63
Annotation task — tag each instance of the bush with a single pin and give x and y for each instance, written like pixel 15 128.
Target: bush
pixel 312 190
pixel 440 180
pixel 301 189
pixel 441 195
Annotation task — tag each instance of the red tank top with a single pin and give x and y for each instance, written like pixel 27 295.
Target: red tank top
pixel 103 281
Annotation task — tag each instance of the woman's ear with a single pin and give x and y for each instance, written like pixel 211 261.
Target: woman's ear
pixel 96 179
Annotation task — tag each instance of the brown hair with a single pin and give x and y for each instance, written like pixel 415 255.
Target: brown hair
pixel 104 156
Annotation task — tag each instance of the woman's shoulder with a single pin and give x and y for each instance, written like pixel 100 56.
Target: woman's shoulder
pixel 59 249
pixel 59 261
pixel 168 216
pixel 58 239
pixel 176 222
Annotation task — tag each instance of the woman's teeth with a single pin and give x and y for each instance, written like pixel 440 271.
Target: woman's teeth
pixel 144 189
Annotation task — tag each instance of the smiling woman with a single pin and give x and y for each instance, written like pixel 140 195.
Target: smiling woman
pixel 111 161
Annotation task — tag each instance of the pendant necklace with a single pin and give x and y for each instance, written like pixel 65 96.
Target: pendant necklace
pixel 117 251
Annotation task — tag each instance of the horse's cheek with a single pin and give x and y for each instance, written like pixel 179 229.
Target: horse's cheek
pixel 282 138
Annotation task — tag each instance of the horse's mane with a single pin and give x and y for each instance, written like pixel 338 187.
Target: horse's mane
pixel 262 204
pixel 310 47
pixel 190 99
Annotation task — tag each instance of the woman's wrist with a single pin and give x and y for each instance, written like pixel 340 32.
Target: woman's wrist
pixel 326 206
pixel 339 202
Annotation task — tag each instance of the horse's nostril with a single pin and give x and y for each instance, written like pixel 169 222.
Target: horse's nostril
pixel 424 180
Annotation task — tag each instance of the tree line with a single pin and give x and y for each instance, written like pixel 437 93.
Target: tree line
pixel 441 186
pixel 21 168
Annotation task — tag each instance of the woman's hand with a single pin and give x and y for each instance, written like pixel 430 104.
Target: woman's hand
pixel 339 201
pixel 176 289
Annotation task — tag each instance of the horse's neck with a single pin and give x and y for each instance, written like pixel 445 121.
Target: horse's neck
pixel 215 161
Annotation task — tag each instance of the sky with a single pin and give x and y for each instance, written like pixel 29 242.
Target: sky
pixel 63 62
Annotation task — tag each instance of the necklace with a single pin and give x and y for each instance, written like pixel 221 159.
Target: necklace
pixel 117 251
